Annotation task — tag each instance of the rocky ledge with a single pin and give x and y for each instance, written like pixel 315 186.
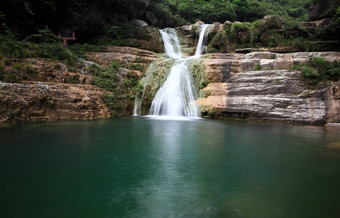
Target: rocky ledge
pixel 272 92
pixel 43 101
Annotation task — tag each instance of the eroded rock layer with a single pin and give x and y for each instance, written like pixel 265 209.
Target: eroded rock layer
pixel 43 101
pixel 260 86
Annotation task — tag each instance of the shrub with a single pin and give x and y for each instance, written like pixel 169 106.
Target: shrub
pixel 311 74
pixel 333 71
pixel 236 28
pixel 140 60
pixel 136 67
pixel 273 22
pixel 114 65
pixel 318 63
pixel 11 47
pixel 43 36
pixel 106 78
pixel 318 70
pixel 212 113
pixel 139 88
pixel 55 51
pixel 203 85
pixel 114 104
pixel 12 77
pixel 28 68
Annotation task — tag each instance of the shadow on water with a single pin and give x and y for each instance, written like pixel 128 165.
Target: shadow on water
pixel 142 167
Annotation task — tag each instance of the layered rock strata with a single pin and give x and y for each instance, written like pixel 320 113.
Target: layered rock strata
pixel 44 101
pixel 271 92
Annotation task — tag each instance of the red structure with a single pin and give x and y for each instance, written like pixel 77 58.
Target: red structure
pixel 67 35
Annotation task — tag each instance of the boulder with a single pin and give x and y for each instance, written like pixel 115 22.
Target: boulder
pixel 186 28
pixel 215 27
pixel 123 72
pixel 272 21
pixel 228 23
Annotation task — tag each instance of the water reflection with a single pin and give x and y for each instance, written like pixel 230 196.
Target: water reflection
pixel 140 167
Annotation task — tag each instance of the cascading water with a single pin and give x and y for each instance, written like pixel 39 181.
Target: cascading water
pixel 176 98
pixel 202 40
pixel 171 43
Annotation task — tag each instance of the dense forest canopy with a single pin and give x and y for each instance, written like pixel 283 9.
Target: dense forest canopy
pixel 181 11
pixel 91 19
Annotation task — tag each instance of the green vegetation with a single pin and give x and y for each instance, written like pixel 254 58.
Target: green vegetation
pixel 212 114
pixel 16 71
pixel 79 50
pixel 106 78
pixel 203 85
pixel 318 70
pixel 93 19
pixel 139 88
pixel 119 91
pixel 42 44
pixel 137 67
pixel 178 12
pixel 257 67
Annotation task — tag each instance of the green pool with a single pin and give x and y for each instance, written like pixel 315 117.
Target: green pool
pixel 142 167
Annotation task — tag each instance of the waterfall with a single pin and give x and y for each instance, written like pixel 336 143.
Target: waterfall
pixel 176 97
pixel 202 40
pixel 171 43
pixel 136 107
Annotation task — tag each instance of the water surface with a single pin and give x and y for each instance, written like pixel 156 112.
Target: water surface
pixel 141 167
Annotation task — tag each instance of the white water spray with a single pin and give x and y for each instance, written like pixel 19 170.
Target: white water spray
pixel 201 46
pixel 171 43
pixel 176 98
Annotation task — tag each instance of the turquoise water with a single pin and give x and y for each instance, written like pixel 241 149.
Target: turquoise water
pixel 140 167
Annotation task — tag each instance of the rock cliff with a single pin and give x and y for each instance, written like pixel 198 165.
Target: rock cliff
pixel 271 92
pixel 45 101
pixel 34 90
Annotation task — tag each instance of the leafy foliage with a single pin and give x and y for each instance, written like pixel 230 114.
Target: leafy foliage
pixel 49 46
pixel 319 70
pixel 211 11
pixel 92 19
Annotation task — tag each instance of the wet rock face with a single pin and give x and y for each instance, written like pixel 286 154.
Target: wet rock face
pixel 260 86
pixel 41 101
